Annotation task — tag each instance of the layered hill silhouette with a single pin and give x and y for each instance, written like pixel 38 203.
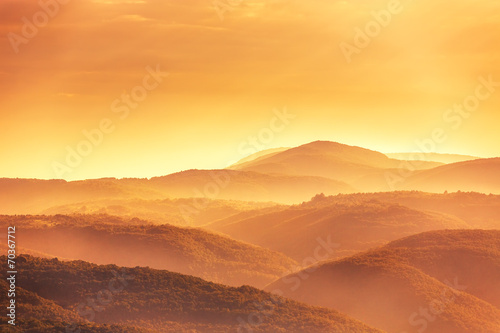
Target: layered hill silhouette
pixel 247 185
pixel 396 261
pixel 433 157
pixel 106 239
pixel 471 255
pixel 368 170
pixel 440 281
pixel 287 176
pixel 327 159
pixel 31 196
pixel 161 301
pixel 482 175
pixel 298 230
pixel 184 212
pixel 261 154
pixel 476 209
pixel 38 314
pixel 30 305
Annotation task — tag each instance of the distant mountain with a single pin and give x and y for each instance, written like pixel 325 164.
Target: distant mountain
pixel 371 171
pixel 298 230
pixel 482 175
pixel 326 159
pixel 161 301
pixel 105 239
pixel 421 283
pixel 433 157
pixel 333 160
pixel 31 196
pixel 286 177
pixel 260 154
pixel 247 185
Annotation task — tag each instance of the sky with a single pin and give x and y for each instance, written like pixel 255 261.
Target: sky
pixel 142 88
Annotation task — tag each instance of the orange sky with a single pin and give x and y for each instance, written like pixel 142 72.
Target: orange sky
pixel 227 76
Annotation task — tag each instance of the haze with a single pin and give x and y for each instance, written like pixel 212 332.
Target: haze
pixel 227 76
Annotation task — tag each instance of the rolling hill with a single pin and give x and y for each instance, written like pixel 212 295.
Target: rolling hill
pixel 32 196
pixel 327 159
pixel 298 230
pixel 472 255
pixel 433 157
pixel 288 177
pixel 261 154
pixel 438 281
pixel 38 314
pixel 183 212
pixel 480 175
pixel 162 301
pixel 476 209
pixel 106 239
pixel 247 185
pixel 368 170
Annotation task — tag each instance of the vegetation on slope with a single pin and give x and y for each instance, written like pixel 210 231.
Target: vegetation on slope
pixel 440 281
pixel 160 300
pixel 106 239
pixel 298 230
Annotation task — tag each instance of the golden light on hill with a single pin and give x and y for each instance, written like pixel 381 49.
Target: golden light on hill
pixel 377 74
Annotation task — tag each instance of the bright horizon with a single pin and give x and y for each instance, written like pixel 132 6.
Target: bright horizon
pixel 227 79
pixel 223 166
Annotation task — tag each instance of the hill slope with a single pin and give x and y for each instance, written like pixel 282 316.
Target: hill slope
pixel 188 211
pixel 171 302
pixel 298 230
pixel 433 157
pixel 476 209
pixel 480 175
pixel 37 314
pixel 472 255
pixel 247 185
pixel 406 285
pixel 106 239
pixel 31 196
pixel 261 154
pixel 326 159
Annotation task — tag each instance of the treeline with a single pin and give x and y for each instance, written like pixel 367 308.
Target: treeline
pixel 156 299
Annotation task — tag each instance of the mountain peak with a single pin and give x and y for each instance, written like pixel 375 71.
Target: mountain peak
pixel 337 147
